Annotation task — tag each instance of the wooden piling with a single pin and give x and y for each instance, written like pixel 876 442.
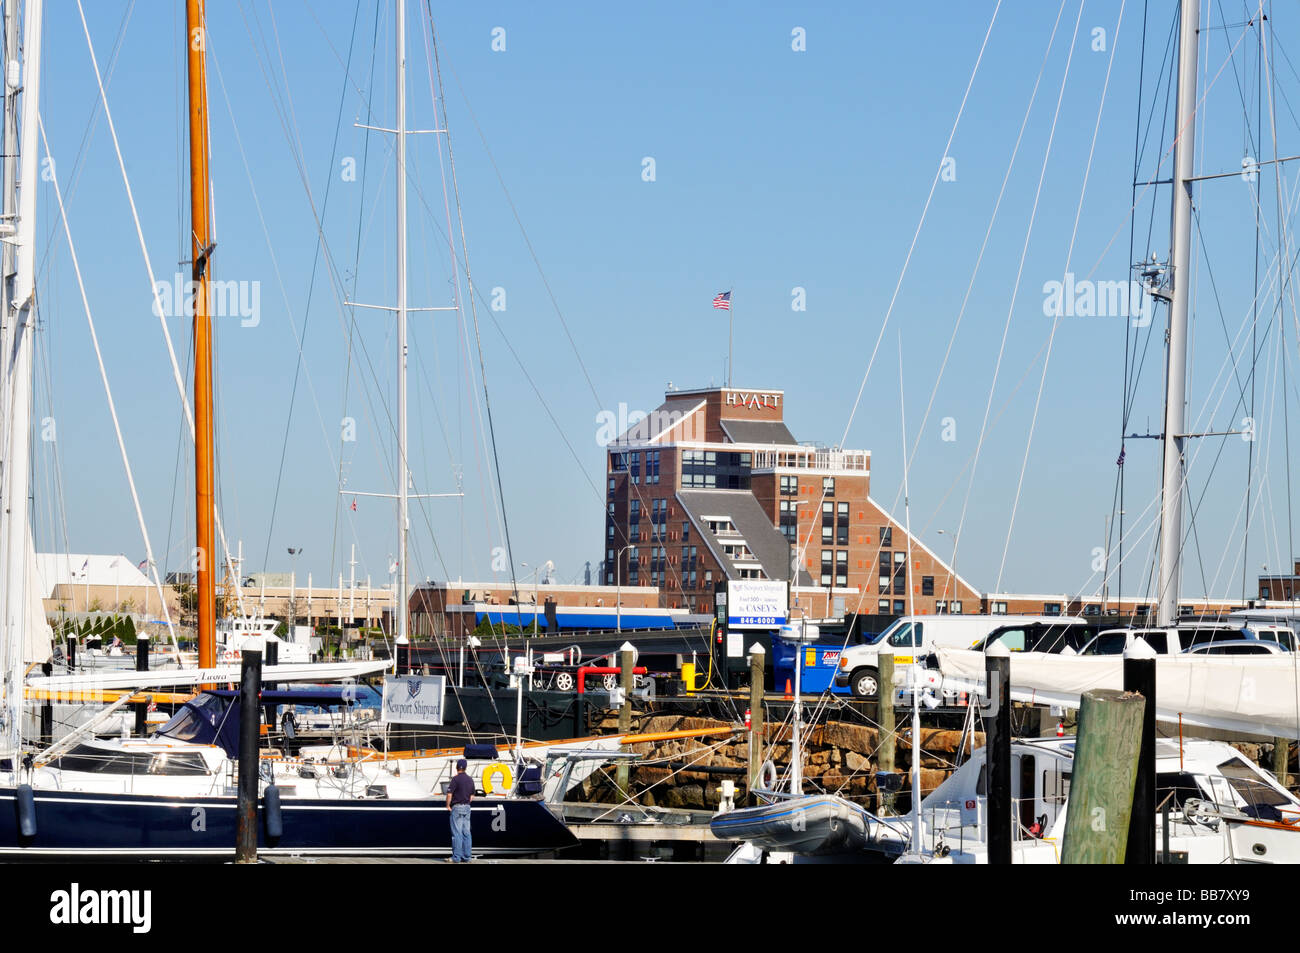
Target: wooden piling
pixel 757 664
pixel 885 699
pixel 626 662
pixel 141 665
pixel 1140 677
pixel 1105 770
pixel 997 747
pixel 1281 758
pixel 250 684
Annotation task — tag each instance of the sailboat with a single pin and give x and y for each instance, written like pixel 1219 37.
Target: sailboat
pixel 174 794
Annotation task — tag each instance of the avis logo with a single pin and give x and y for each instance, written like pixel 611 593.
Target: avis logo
pixel 76 906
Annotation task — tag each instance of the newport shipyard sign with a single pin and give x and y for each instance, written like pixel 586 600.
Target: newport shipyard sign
pixel 414 699
pixel 752 400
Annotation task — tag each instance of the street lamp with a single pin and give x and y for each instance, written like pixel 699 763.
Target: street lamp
pixel 618 587
pixel 293 589
pixel 546 566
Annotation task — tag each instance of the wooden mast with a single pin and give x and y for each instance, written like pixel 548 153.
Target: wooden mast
pixel 200 248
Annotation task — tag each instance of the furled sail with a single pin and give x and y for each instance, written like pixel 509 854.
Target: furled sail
pixel 1258 695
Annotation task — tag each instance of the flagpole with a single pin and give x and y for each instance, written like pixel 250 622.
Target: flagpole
pixel 731 326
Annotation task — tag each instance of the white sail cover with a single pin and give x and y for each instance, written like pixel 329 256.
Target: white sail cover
pixel 1258 695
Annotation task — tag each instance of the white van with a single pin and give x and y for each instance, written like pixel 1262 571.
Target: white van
pixel 915 636
pixel 1272 625
pixel 1185 637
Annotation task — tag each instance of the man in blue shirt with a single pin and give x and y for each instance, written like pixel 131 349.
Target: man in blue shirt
pixel 459 793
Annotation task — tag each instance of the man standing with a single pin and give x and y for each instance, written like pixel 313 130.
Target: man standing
pixel 459 793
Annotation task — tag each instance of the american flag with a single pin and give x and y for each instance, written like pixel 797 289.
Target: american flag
pixel 723 301
pixel 354 504
pixel 1120 461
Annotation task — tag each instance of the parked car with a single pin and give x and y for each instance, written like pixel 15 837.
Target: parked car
pixel 1239 647
pixel 1053 637
pixel 1170 641
pixel 913 637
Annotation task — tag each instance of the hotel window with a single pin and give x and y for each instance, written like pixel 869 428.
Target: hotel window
pixel 686 530
pixel 609 531
pixel 828 522
pixel 618 461
pixel 610 508
pixel 841 524
pixel 900 573
pixel 828 486
pixel 884 585
pixel 883 607
pixel 789 519
pixel 900 606
pixel 956 607
pixel 1263 592
pixel 999 608
pixel 634 464
pixel 828 559
pixel 927 585
pixel 841 568
pixel 941 607
pixel 886 536
pixel 1051 608
pixel 789 486
pixel 611 484
pixel 886 560
pixel 652 466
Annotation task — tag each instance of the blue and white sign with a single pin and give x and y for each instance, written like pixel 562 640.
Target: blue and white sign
pixel 414 699
pixel 756 603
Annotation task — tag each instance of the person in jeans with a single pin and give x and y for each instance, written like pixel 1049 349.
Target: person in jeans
pixel 459 793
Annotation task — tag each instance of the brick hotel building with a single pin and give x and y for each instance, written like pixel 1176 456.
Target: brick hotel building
pixel 712 485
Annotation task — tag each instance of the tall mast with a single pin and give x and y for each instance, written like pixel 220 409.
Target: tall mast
pixel 16 373
pixel 403 475
pixel 1180 243
pixel 200 249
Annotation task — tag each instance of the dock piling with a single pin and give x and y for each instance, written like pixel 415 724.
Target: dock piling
pixel 757 664
pixel 1105 769
pixel 250 683
pixel 885 704
pixel 626 662
pixel 997 674
pixel 141 665
pixel 1140 677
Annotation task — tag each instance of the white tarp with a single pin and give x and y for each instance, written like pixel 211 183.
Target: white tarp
pixel 1258 695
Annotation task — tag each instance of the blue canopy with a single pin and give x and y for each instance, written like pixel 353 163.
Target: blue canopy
pixel 212 718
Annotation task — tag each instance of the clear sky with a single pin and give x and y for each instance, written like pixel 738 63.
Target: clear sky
pixel 793 150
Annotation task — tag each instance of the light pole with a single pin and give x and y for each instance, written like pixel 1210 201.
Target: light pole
pixel 294 553
pixel 618 587
pixel 547 567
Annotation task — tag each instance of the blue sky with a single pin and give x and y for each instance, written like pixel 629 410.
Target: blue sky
pixel 775 169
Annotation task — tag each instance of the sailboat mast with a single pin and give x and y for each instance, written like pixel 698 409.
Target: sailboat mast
pixel 19 320
pixel 403 477
pixel 1180 244
pixel 200 248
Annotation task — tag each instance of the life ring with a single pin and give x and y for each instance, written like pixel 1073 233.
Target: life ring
pixel 767 778
pixel 493 770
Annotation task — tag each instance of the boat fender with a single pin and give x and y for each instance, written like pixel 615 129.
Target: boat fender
pixel 271 807
pixel 25 804
pixel 767 778
pixel 497 768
